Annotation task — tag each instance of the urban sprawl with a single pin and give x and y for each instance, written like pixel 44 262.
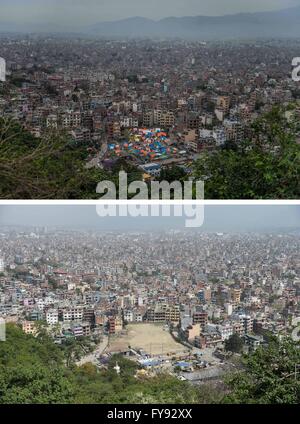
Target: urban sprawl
pixel 167 300
pixel 153 103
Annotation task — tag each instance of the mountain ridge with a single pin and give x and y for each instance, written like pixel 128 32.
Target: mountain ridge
pixel 284 23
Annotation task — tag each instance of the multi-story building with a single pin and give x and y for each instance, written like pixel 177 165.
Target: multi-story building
pixel 223 103
pixel 89 316
pixel 113 129
pixel 234 130
pixel 81 135
pixel 52 316
pixel 247 323
pixel 115 325
pixel 148 120
pixel 153 169
pixel 225 331
pixel 52 121
pixel 200 318
pixel 128 315
pixel 71 120
pixel 2 267
pixel 163 313
pixel 82 330
pixel 29 327
pixel 236 296
pixel 73 314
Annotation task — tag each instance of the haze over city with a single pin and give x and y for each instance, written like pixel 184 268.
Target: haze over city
pixel 217 218
pixel 133 99
pixel 190 19
pixel 91 11
pixel 173 314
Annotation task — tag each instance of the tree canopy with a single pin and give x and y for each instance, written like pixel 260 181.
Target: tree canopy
pixel 268 167
pixel 35 370
pixel 52 167
pixel 43 168
pixel 268 375
pixel 234 344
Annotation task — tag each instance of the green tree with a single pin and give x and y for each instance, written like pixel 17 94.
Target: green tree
pixel 46 168
pixel 268 167
pixel 75 349
pixel 34 384
pixel 234 344
pixel 51 167
pixel 33 370
pixel 175 173
pixel 268 375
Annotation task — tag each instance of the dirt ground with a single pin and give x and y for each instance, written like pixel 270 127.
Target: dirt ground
pixel 152 338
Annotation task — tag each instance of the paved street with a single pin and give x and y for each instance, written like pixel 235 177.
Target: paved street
pixel 92 357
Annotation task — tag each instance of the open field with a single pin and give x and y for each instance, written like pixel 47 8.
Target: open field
pixel 152 338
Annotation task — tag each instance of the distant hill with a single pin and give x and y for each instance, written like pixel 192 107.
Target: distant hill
pixel 277 24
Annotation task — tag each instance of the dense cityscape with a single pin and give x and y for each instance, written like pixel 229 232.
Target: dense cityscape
pixel 166 300
pixel 153 103
pixel 149 206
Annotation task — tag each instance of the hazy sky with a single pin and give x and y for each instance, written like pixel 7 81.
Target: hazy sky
pixel 217 218
pixel 91 11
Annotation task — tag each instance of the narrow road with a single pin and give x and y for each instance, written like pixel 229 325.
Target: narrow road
pixel 92 357
pixel 94 163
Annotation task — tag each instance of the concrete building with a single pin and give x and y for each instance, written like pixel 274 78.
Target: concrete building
pixel 52 316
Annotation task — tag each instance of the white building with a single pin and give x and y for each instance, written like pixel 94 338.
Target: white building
pixel 2 265
pixel 228 309
pixel 52 316
pixel 140 301
pixel 129 122
pixel 128 316
pixel 225 331
pixel 138 317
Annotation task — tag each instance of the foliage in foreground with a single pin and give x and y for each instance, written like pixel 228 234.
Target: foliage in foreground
pixel 52 168
pixel 234 344
pixel 48 168
pixel 268 168
pixel 34 371
pixel 268 376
